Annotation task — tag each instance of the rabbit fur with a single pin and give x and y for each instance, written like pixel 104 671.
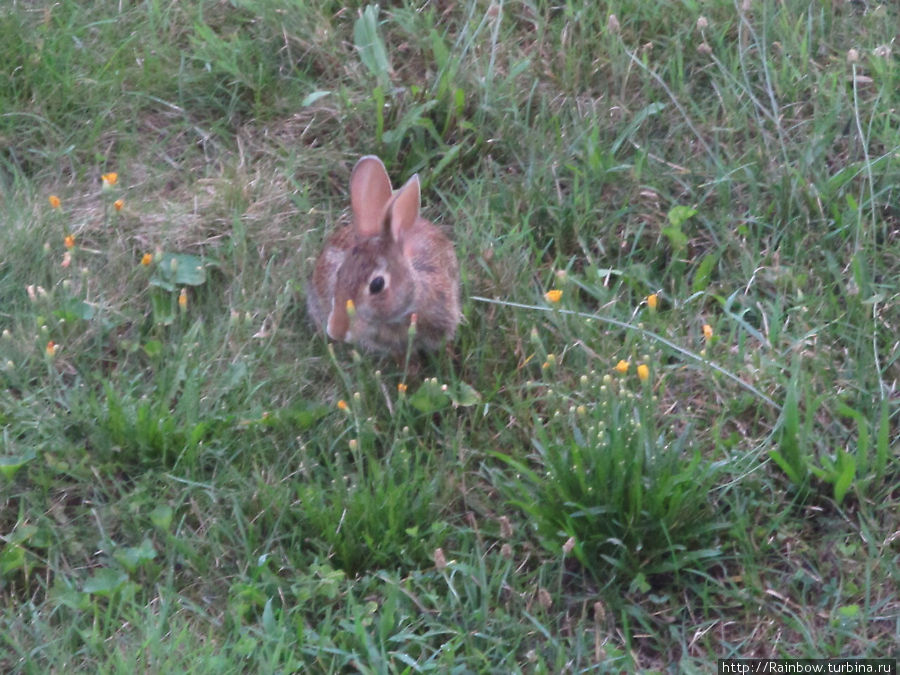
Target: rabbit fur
pixel 387 268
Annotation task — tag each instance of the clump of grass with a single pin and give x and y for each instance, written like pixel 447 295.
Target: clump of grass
pixel 605 483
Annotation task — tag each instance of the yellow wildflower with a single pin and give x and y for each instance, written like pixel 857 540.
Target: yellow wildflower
pixel 351 308
pixel 54 201
pixel 643 372
pixel 69 241
pixel 118 204
pixel 553 296
pixel 109 179
pixel 183 299
pixel 147 259
pixel 707 332
pixel 342 405
pixel 622 367
pixel 51 348
pixel 652 300
pixel 401 387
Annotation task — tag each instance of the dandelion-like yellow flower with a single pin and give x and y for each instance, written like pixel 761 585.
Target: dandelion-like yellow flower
pixel 51 349
pixel 183 299
pixel 109 179
pixel 652 300
pixel 707 331
pixel 342 405
pixel 643 372
pixel 118 204
pixel 54 201
pixel 351 308
pixel 622 367
pixel 69 241
pixel 146 259
pixel 401 387
pixel 553 296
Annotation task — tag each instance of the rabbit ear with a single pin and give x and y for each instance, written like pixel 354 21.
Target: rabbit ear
pixel 403 209
pixel 370 190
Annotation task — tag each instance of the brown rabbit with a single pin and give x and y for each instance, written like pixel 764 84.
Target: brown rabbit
pixel 388 265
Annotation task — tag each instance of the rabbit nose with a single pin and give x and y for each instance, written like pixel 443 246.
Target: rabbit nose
pixel 335 332
pixel 338 326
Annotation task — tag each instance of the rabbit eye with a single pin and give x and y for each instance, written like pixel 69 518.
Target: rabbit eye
pixel 376 285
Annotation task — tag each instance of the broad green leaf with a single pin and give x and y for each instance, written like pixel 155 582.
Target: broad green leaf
pixel 464 395
pixel 153 348
pixel 792 474
pixel 73 310
pixel 846 466
pixel 429 398
pixel 370 46
pixel 64 594
pixel 179 269
pixel 161 516
pixel 10 464
pixel 677 239
pixel 269 624
pixel 162 304
pixel 12 558
pixel 849 611
pixel 679 215
pixel 702 273
pixel 133 557
pixel 105 582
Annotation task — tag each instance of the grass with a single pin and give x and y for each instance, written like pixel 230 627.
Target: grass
pixel 193 480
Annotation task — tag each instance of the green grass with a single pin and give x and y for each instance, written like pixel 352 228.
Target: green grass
pixel 207 485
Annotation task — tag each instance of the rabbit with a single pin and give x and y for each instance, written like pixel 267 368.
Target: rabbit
pixel 386 269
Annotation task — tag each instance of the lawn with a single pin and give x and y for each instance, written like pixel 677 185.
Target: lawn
pixel 667 431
